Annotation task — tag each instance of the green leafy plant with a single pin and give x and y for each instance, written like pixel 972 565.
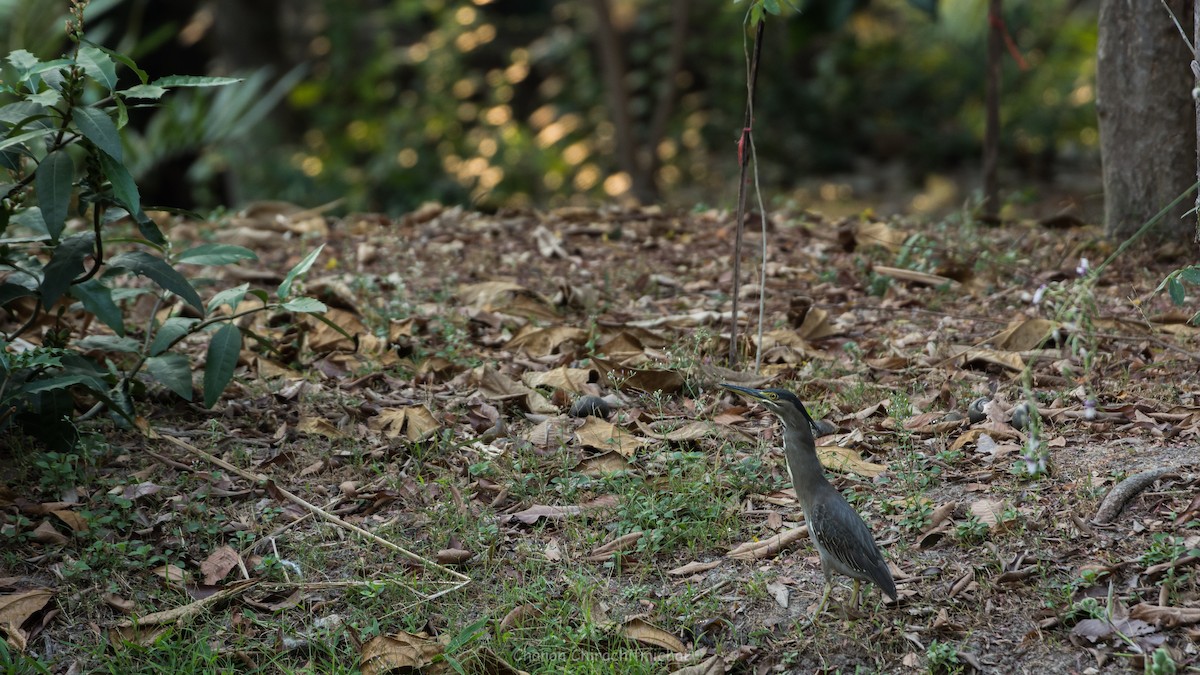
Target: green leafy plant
pixel 61 155
pixel 943 658
pixel 1174 285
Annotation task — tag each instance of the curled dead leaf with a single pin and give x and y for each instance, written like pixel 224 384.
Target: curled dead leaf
pixel 642 631
pixel 845 460
pixel 604 435
pixel 1025 335
pixel 453 556
pixel 517 616
pixel 218 564
pixel 385 653
pixel 694 567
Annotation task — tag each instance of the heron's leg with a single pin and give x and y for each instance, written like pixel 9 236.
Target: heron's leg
pixel 824 598
pixel 854 599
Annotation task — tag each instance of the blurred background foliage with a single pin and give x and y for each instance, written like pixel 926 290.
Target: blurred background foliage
pixel 385 104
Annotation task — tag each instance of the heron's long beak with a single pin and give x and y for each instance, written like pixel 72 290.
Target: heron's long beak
pixel 745 391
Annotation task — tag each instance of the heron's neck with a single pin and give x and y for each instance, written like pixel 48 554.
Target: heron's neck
pixel 808 476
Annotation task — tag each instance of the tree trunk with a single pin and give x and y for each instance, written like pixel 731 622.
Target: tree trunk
pixel 1147 118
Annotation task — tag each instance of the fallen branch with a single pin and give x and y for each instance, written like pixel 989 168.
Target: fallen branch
pixel 1127 489
pixel 770 547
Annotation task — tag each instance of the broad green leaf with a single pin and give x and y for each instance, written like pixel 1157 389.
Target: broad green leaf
pixel 148 227
pixel 111 343
pixel 12 161
pixel 27 136
pixel 23 61
pixel 230 296
pixel 174 371
pixel 161 273
pixel 121 58
pixel 98 127
pixel 46 98
pixel 66 263
pixel 261 295
pixel 10 291
pixel 305 305
pixel 223 352
pixel 169 333
pixel 124 189
pixel 285 288
pixel 59 382
pixel 22 112
pixel 97 299
pixel 772 6
pixel 98 66
pixel 55 176
pixel 194 81
pixel 145 91
pixel 1190 274
pixel 216 254
pixel 122 112
pixel 1175 288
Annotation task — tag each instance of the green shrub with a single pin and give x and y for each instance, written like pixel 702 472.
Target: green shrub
pixel 61 155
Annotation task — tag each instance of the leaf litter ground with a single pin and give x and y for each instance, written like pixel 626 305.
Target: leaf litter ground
pixel 660 534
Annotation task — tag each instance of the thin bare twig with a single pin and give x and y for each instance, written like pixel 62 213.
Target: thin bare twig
pixel 463 579
pixel 743 141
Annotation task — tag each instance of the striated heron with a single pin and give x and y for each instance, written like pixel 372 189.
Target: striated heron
pixel 842 538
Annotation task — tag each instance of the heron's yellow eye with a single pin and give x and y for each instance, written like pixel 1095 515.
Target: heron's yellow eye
pixel 772 396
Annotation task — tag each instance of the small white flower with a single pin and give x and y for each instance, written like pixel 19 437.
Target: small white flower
pixel 1083 267
pixel 1037 295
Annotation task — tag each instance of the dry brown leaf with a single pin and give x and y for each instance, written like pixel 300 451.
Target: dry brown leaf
pixel 123 605
pixel 694 567
pixel 845 460
pixel 642 631
pixel 173 574
pixel 218 564
pixel 666 381
pixel 691 431
pixel 517 616
pixel 16 608
pixel 319 427
pixel 816 325
pixel 73 520
pixel 564 378
pixel 556 430
pixel 322 339
pixel 384 653
pixel 506 297
pixel 713 665
pixel 879 234
pixel 535 513
pixel 538 342
pixel 1007 360
pixel 46 534
pixel 498 387
pixel 620 544
pixel 414 422
pixel 1024 335
pixel 989 511
pixel 600 465
pixel 453 556
pixel 604 435
pixel 1165 617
